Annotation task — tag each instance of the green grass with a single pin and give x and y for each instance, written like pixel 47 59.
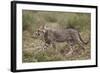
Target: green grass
pixel 32 20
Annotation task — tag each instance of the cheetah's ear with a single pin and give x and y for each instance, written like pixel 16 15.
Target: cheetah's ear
pixel 46 27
